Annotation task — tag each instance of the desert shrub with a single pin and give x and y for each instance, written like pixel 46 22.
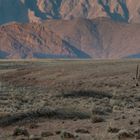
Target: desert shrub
pixel 97 114
pixel 20 131
pixel 137 133
pixel 97 110
pixel 46 134
pixel 97 119
pixel 81 130
pixel 113 129
pixel 67 135
pixel 122 134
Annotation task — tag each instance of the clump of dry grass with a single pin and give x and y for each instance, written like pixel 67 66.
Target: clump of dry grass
pixel 46 134
pixel 122 134
pixel 97 115
pixel 67 135
pixel 20 131
pixel 137 133
pixel 112 129
pixel 97 119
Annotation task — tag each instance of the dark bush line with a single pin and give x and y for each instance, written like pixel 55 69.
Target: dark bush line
pixel 86 93
pixel 45 112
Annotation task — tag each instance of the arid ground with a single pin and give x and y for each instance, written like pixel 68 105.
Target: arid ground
pixel 69 100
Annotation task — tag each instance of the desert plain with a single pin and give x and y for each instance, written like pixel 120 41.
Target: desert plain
pixel 69 99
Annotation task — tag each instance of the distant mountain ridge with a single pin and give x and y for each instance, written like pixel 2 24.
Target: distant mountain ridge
pixel 38 10
pixel 77 38
pixel 69 29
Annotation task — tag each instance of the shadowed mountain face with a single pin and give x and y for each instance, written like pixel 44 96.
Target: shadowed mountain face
pixel 14 10
pixel 38 10
pixel 116 15
pixel 77 38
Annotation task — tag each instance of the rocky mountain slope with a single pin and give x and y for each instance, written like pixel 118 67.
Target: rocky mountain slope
pixel 28 41
pixel 77 38
pixel 37 10
pixel 69 28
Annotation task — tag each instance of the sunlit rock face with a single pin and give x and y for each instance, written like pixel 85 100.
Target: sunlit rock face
pixel 83 29
pixel 118 10
pixel 38 10
pixel 76 38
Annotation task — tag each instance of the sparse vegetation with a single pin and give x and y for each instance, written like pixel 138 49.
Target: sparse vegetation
pixel 112 129
pixel 20 131
pixel 43 112
pixel 81 130
pixel 67 135
pixel 123 134
pixel 46 134
pixel 79 97
pixel 97 119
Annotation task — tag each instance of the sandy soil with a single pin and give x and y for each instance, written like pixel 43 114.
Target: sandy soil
pixel 67 99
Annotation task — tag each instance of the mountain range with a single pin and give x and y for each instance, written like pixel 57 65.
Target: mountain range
pixel 69 29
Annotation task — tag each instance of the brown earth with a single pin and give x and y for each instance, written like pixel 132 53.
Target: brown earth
pixel 90 99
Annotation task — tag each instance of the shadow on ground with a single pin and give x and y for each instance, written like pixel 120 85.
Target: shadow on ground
pixel 85 93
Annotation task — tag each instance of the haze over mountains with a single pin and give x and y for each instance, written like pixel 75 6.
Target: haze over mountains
pixel 69 28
